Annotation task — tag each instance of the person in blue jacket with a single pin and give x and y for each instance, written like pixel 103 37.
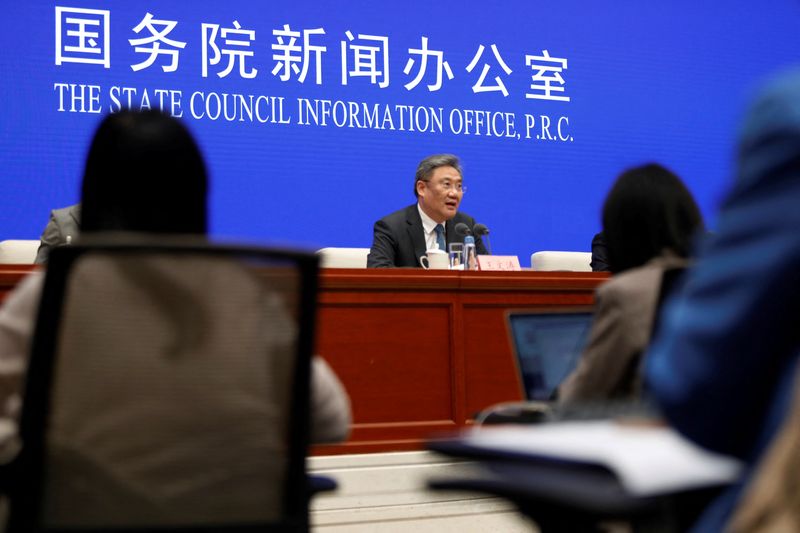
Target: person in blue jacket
pixel 723 365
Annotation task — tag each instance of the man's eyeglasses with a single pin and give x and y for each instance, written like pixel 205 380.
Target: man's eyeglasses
pixel 448 185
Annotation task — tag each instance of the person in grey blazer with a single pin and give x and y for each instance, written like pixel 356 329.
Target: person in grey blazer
pixel 62 228
pixel 399 239
pixel 649 222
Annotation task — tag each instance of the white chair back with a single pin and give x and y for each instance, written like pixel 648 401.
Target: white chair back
pixel 572 261
pixel 343 257
pixel 18 252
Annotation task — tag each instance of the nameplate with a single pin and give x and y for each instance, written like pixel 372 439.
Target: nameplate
pixel 498 262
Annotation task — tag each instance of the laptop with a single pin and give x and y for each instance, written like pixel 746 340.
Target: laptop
pixel 547 346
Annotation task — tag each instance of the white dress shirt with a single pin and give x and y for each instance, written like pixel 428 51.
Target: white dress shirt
pixel 429 227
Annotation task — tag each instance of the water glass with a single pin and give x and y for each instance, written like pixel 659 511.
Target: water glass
pixel 456 252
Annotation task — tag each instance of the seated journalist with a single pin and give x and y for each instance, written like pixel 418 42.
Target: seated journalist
pixel 144 173
pixel 402 237
pixel 63 226
pixel 649 221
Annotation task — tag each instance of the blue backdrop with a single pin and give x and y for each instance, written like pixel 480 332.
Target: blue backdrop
pixel 332 104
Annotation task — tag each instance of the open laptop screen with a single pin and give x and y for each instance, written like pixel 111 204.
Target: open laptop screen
pixel 547 346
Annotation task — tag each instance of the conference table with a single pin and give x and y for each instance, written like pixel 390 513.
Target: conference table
pixel 423 351
pixel 420 351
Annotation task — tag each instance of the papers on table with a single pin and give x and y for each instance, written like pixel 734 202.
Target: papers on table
pixel 648 460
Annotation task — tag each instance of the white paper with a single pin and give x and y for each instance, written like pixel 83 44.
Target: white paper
pixel 648 460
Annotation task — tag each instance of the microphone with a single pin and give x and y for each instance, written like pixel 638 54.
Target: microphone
pixel 470 262
pixel 462 229
pixel 480 230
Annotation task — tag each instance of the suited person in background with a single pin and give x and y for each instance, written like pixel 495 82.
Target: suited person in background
pixel 599 261
pixel 402 237
pixel 159 187
pixel 64 225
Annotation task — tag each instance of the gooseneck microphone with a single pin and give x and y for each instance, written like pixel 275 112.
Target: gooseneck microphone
pixel 462 229
pixel 480 230
pixel 470 252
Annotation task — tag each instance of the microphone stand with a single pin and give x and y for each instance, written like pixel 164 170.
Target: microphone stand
pixel 488 244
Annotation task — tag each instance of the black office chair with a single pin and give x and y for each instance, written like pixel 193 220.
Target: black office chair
pixel 670 283
pixel 168 390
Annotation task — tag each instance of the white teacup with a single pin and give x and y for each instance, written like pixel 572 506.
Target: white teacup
pixel 435 259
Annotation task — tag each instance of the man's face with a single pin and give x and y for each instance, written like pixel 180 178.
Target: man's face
pixel 440 196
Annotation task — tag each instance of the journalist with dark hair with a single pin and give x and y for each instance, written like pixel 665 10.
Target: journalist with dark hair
pixel 649 219
pixel 648 210
pixel 400 238
pixel 144 174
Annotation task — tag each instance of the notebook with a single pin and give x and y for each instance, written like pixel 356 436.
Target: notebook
pixel 547 345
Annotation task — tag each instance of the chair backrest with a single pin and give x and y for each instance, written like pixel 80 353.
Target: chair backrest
pixel 168 388
pixel 343 257
pixel 670 280
pixel 18 252
pixel 573 261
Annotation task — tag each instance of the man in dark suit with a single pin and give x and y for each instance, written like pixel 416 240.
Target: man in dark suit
pixel 403 236
pixel 63 227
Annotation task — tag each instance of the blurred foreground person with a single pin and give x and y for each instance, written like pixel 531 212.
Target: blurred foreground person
pixel 723 366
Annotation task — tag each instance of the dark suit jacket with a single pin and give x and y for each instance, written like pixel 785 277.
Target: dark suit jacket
pixel 63 222
pixel 399 239
pixel 599 253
